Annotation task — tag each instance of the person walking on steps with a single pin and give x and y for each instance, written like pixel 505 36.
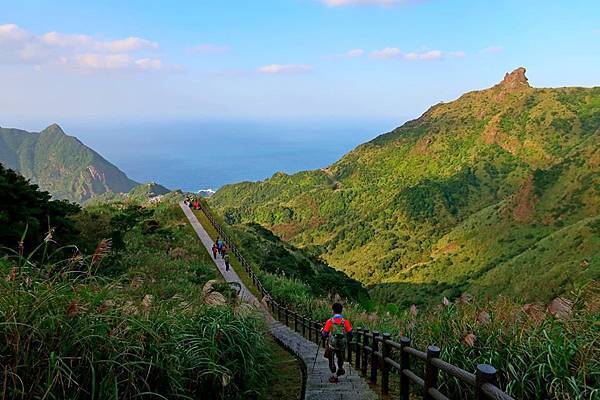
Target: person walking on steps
pixel 226 259
pixel 215 250
pixel 337 333
pixel 224 251
pixel 219 245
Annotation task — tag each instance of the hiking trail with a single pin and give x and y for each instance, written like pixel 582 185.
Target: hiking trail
pixel 350 387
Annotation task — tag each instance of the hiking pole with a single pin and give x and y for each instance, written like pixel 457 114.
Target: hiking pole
pixel 316 355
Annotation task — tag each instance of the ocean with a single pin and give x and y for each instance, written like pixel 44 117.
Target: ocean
pixel 199 155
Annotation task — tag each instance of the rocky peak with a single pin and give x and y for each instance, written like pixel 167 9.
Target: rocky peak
pixel 55 129
pixel 515 80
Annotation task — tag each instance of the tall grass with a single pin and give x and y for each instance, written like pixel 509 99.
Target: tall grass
pixel 125 325
pixel 75 340
pixel 539 355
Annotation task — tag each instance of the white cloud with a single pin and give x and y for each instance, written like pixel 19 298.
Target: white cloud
pixel 209 48
pixel 355 53
pixel 493 49
pixel 113 62
pixel 130 44
pixel 341 3
pixel 426 55
pixel 429 55
pixel 388 52
pixel 18 45
pixel 101 61
pixel 65 40
pixel 149 63
pixel 284 68
pixel 12 33
pixel 127 45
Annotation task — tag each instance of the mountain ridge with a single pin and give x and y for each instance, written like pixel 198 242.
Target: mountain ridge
pixel 61 164
pixel 525 158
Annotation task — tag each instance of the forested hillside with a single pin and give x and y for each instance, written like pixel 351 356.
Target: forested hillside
pixel 495 192
pixel 60 164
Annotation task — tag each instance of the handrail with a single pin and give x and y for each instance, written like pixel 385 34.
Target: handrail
pixel 377 351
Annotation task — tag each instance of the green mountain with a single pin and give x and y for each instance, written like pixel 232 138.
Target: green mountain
pixel 60 164
pixel 142 193
pixel 497 192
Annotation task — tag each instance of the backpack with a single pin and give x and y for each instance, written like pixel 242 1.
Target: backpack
pixel 337 336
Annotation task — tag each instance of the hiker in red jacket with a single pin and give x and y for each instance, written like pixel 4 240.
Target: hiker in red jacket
pixel 215 250
pixel 337 333
pixel 196 204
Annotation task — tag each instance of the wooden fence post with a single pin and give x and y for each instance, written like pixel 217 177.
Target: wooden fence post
pixel 287 316
pixel 357 351
pixel 349 353
pixel 374 357
pixel 364 351
pixel 295 321
pixel 431 372
pixel 278 312
pixel 385 368
pixel 485 374
pixel 310 328
pixel 404 365
pixel 303 326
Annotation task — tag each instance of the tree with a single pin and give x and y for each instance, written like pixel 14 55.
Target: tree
pixel 24 208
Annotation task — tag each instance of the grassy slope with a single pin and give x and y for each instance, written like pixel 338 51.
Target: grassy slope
pixel 448 202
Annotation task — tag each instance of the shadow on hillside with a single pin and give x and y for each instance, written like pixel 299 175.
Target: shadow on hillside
pixel 404 294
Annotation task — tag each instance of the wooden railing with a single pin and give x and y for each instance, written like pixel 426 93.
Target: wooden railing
pixel 376 355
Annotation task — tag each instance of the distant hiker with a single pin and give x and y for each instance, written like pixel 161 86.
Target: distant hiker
pixel 226 259
pixel 187 201
pixel 219 244
pixel 196 205
pixel 224 250
pixel 215 250
pixel 337 332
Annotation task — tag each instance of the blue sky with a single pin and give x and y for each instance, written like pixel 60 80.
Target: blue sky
pixel 280 59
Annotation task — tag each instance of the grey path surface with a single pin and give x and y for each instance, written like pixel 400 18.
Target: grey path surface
pixel 350 387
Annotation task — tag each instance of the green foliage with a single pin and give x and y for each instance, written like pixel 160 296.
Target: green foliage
pixel 28 214
pixel 274 257
pixel 420 202
pixel 544 179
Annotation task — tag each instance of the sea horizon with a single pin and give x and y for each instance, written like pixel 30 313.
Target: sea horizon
pixel 208 154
